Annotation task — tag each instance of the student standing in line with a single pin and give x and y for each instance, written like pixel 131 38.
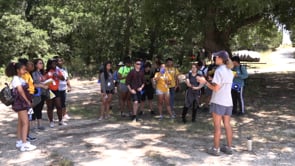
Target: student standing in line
pixel 31 88
pixel 124 92
pixel 240 74
pixel 221 101
pixel 64 86
pixel 163 80
pixel 148 90
pixel 135 85
pixel 22 103
pixel 56 76
pixel 38 77
pixel 173 71
pixel 107 90
pixel 192 94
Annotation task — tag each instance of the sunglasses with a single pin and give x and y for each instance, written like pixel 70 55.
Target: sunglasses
pixel 138 63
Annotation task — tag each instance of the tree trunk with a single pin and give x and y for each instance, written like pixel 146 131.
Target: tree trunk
pixel 215 40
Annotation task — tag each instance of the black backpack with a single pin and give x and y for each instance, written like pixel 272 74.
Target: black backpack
pixel 6 95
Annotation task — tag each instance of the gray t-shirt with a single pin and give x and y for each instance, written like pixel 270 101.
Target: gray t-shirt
pixel 224 78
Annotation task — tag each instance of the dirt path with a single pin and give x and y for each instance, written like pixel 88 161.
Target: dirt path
pixel 87 141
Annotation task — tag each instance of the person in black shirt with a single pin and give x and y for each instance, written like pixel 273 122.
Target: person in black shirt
pixel 148 90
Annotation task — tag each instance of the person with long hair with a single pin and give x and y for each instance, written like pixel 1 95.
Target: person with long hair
pixel 221 101
pixel 192 94
pixel 42 91
pixel 22 103
pixel 107 90
pixel 163 80
pixel 56 76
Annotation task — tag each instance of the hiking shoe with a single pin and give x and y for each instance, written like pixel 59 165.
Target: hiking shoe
pixel 161 117
pixel 101 118
pixel 213 151
pixel 27 147
pixel 30 138
pixel 226 149
pixel 62 123
pixel 51 124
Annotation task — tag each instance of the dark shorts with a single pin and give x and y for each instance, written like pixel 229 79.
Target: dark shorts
pixel 109 92
pixel 148 93
pixel 221 110
pixel 63 96
pixel 136 97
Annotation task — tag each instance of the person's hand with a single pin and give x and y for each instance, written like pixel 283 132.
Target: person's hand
pixel 201 80
pixel 139 89
pixel 133 91
pixel 45 86
pixel 69 89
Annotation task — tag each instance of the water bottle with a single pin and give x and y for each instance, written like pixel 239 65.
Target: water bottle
pixel 30 113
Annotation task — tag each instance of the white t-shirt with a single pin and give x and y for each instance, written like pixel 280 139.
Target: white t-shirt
pixel 224 78
pixel 63 84
pixel 17 81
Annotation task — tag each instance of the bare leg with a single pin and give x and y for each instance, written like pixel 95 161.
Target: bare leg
pixel 107 105
pixel 217 129
pixel 49 109
pixel 160 103
pixel 19 124
pixel 228 130
pixel 23 116
pixel 168 107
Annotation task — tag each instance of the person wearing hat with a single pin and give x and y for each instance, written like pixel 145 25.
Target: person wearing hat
pixel 240 74
pixel 221 101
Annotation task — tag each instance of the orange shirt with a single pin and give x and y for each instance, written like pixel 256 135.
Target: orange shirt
pixel 51 74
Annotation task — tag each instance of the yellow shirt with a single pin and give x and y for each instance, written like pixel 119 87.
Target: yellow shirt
pixel 28 78
pixel 173 73
pixel 163 81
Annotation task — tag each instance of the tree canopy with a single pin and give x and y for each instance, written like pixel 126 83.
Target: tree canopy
pixel 94 31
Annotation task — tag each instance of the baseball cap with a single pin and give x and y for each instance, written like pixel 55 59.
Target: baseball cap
pixel 222 54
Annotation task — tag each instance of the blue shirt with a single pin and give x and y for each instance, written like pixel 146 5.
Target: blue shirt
pixel 242 74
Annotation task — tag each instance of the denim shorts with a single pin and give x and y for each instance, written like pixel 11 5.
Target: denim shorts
pixel 158 92
pixel 220 109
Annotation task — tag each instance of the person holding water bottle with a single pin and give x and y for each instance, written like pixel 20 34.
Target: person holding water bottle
pixel 163 80
pixel 107 84
pixel 135 85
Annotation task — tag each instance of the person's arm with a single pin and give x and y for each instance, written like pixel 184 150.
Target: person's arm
pixel 143 83
pixel 69 85
pixel 176 78
pixel 213 86
pixel 243 73
pixel 102 83
pixel 59 75
pixel 37 82
pixel 128 82
pixel 22 93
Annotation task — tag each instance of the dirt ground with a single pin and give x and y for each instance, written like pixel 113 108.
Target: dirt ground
pixel 87 141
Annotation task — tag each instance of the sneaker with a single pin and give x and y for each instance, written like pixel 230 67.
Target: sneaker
pixel 62 123
pixel 67 117
pixel 51 124
pixel 101 118
pixel 41 127
pixel 153 113
pixel 213 151
pixel 18 143
pixel 161 117
pixel 226 149
pixel 27 147
pixel 30 138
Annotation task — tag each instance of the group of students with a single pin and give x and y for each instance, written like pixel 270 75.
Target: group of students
pixel 139 82
pixel 32 86
pixel 221 83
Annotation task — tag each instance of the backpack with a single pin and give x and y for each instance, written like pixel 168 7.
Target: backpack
pixel 6 95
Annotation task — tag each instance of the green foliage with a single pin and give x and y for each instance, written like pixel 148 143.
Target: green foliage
pixel 86 33
pixel 19 37
pixel 261 36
